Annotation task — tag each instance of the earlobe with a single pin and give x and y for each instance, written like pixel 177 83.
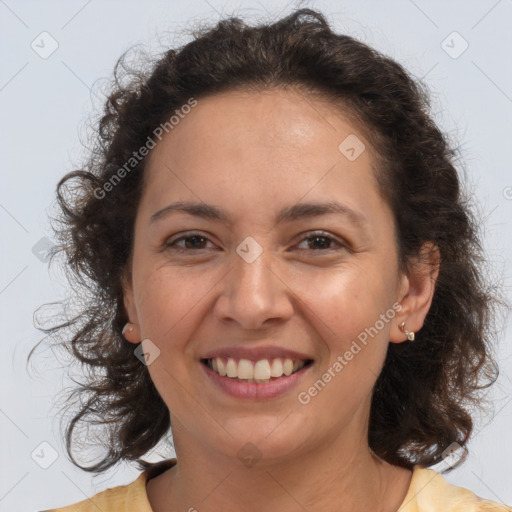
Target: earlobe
pixel 416 294
pixel 131 331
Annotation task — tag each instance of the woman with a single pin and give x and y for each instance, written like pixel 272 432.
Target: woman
pixel 283 268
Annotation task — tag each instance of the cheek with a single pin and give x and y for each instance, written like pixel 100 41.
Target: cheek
pixel 167 301
pixel 348 299
pixel 346 313
pixel 168 306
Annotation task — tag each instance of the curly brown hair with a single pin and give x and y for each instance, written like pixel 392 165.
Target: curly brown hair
pixel 423 397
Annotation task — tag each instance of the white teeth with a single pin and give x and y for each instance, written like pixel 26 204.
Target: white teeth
pixel 277 368
pixel 260 371
pixel 231 368
pixel 221 367
pixel 288 366
pixel 245 369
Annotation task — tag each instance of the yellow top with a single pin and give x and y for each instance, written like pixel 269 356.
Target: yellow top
pixel 428 492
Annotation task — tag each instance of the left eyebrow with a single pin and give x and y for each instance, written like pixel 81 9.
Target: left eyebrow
pixel 307 210
pixel 287 214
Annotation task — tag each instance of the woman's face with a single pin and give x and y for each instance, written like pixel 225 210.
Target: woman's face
pixel 263 276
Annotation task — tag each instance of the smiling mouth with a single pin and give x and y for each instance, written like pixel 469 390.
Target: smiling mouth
pixel 261 371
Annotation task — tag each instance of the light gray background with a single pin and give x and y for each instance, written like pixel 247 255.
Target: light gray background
pixel 45 103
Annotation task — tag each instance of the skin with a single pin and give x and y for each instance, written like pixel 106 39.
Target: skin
pixel 251 154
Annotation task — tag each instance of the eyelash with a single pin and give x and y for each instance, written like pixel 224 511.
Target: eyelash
pixel 309 236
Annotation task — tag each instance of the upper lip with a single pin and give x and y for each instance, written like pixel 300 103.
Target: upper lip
pixel 255 353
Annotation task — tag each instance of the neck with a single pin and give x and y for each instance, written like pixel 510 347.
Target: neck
pixel 354 480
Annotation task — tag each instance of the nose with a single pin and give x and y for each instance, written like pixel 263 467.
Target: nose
pixel 254 294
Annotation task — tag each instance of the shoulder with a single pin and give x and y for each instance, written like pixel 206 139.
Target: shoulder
pixel 109 500
pixel 123 498
pixel 430 492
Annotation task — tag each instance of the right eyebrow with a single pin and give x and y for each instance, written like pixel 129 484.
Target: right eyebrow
pixel 287 214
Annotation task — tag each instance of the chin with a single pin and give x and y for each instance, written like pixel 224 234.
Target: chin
pixel 265 439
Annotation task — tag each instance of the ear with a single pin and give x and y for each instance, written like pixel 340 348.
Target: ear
pixel 416 291
pixel 132 333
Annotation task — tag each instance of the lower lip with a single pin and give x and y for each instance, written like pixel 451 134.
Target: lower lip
pixel 255 390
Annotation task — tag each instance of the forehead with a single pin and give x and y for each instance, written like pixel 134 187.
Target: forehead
pixel 275 119
pixel 265 145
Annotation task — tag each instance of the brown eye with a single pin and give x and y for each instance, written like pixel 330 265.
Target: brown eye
pixel 191 242
pixel 319 242
pixel 322 242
